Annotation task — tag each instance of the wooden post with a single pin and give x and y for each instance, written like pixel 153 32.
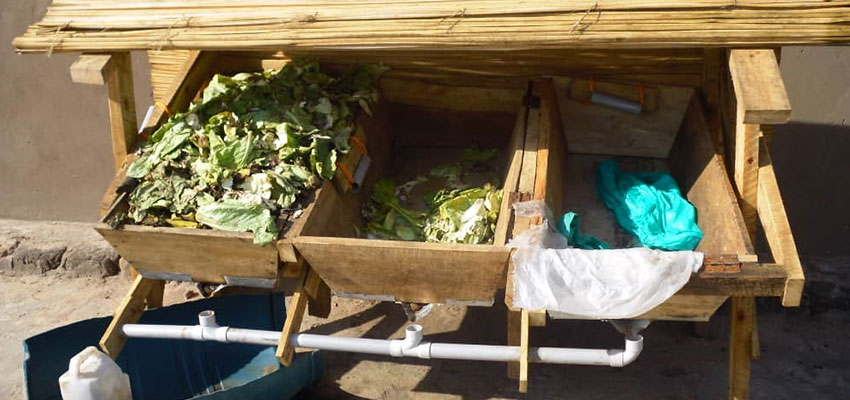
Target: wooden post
pixel 309 283
pixel 122 106
pixel 742 313
pixel 760 98
pixel 116 71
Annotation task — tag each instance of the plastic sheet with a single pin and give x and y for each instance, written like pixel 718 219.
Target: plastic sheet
pixel 597 284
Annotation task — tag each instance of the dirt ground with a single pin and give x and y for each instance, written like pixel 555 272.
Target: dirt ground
pixel 804 351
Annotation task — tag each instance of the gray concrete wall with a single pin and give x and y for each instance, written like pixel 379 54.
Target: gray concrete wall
pixel 811 154
pixel 55 150
pixel 56 158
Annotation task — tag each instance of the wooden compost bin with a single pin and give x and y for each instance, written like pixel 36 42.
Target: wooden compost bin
pixel 416 127
pixel 202 255
pixel 689 154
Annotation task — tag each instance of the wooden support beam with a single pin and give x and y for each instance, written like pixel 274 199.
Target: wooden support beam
pixel 156 295
pixel 91 69
pixel 308 283
pixel 128 312
pixel 514 339
pixel 740 346
pixel 746 171
pixel 523 352
pixel 319 303
pixel 777 230
pixel 122 106
pixel 759 89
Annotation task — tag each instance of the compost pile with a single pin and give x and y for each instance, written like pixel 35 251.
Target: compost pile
pixel 239 158
pixel 457 213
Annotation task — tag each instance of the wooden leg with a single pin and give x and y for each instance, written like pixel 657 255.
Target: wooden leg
pixel 518 326
pixel 294 315
pixel 514 338
pixel 319 303
pixel 740 347
pixel 128 312
pixel 523 352
pixel 156 295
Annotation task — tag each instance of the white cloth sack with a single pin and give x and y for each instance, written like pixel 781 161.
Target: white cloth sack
pixel 597 284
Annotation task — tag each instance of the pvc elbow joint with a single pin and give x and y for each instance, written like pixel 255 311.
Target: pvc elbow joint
pixel 621 358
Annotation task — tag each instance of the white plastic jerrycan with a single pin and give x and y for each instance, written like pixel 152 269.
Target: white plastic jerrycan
pixel 92 375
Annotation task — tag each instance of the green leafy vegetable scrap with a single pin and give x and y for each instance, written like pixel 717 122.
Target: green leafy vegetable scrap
pixel 238 158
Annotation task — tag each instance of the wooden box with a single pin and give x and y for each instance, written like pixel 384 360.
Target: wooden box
pixel 418 126
pixel 203 255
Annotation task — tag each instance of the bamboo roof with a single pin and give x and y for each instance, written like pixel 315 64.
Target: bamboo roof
pixel 432 25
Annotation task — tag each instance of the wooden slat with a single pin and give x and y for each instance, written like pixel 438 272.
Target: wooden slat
pixel 742 314
pixel 523 351
pixel 746 169
pixel 759 89
pixel 441 26
pixel 204 255
pixel 698 167
pixel 509 189
pixel 129 311
pixel 90 69
pixel 407 271
pixel 777 230
pixel 122 107
pixel 294 315
pixel 156 295
pixel 460 98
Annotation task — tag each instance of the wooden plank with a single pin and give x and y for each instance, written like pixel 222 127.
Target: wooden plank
pixel 460 98
pixel 742 313
pixel 686 307
pixel 203 255
pixel 122 107
pixel 596 129
pixel 712 72
pixel 514 339
pixel 156 295
pixel 777 230
pixel 509 189
pixel 698 167
pixel 551 151
pixel 90 69
pixel 439 26
pixel 294 314
pixel 129 311
pixel 319 301
pixel 759 89
pixel 746 171
pixel 407 271
pixel 523 352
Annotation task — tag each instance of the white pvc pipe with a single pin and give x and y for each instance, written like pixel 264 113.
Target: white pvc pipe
pixel 410 346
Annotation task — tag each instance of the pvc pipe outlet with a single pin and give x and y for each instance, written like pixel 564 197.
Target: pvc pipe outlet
pixel 411 346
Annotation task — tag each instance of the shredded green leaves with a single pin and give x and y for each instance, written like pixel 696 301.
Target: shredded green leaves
pixel 238 158
pixel 455 214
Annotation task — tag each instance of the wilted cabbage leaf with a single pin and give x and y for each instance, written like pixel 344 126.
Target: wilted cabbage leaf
pixel 467 216
pixel 233 215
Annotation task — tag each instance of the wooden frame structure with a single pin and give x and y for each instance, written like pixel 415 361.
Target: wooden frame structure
pixel 741 90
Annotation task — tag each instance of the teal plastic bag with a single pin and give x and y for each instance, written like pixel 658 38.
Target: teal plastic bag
pixel 568 226
pixel 650 206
